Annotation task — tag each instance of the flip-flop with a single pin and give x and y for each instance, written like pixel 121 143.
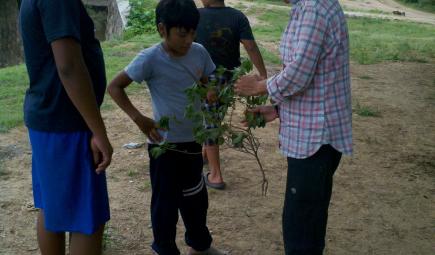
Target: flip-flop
pixel 219 185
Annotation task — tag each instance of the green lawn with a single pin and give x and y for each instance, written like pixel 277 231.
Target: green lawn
pixel 371 40
pixel 13 84
pixel 423 5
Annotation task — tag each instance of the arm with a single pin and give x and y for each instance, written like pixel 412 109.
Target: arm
pixel 298 74
pixel 254 54
pixel 78 85
pixel 116 90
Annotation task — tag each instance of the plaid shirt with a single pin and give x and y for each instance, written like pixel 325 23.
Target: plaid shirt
pixel 313 90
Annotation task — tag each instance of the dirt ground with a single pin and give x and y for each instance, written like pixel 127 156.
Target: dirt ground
pixel 383 199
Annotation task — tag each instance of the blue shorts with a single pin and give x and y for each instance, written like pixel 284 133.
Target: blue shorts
pixel 65 186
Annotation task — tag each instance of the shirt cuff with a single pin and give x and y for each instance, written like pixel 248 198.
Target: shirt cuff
pixel 273 89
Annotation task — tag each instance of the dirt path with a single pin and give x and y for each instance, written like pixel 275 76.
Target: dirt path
pixel 387 6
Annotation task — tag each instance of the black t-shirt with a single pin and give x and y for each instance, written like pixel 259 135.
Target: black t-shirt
pixel 47 107
pixel 220 30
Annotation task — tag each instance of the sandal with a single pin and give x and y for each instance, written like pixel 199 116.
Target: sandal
pixel 213 185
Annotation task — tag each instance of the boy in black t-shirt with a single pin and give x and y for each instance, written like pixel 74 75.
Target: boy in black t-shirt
pixel 221 29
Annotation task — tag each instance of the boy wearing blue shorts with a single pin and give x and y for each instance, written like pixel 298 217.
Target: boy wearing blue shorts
pixel 70 148
pixel 169 68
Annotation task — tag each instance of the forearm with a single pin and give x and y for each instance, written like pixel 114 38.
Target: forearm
pixel 116 90
pixel 293 80
pixel 256 58
pixel 121 99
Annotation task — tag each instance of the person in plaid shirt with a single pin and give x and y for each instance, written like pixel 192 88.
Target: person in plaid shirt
pixel 312 99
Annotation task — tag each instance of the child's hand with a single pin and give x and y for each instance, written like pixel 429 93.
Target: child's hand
pixel 101 151
pixel 149 128
pixel 212 96
pixel 268 112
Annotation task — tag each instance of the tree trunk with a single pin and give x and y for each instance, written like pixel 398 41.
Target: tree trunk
pixel 10 43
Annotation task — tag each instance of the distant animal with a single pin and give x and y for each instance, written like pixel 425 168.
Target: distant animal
pixel 399 13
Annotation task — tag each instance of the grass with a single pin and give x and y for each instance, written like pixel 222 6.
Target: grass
pixel 365 77
pixel 132 173
pixel 107 237
pixel 374 40
pixel 13 85
pixel 366 111
pixel 371 40
pixel 274 2
pixel 422 5
pixel 146 185
pixel 269 56
pixel 3 173
pixel 372 11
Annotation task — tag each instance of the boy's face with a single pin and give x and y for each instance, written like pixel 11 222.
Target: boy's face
pixel 178 40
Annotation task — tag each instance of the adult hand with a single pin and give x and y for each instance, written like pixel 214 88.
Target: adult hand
pixel 149 128
pixel 101 151
pixel 268 112
pixel 250 85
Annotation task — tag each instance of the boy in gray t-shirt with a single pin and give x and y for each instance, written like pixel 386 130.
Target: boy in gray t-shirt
pixel 169 68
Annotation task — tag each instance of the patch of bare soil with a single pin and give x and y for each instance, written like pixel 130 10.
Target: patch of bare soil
pixel 383 199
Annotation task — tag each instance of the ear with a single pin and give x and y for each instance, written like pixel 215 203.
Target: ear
pixel 162 30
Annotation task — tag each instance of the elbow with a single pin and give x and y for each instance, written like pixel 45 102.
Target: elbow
pixel 66 69
pixel 111 89
pixel 253 48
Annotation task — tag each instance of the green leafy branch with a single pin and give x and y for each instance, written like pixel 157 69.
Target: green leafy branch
pixel 223 130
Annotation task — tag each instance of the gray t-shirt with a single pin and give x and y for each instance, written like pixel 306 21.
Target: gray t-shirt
pixel 167 79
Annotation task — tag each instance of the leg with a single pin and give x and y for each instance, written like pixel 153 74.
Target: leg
pixel 194 201
pixel 82 244
pixel 194 213
pixel 204 156
pixel 164 201
pixel 50 243
pixel 212 154
pixel 308 192
pixel 211 146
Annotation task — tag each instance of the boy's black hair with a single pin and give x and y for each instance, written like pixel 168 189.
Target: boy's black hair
pixel 177 13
